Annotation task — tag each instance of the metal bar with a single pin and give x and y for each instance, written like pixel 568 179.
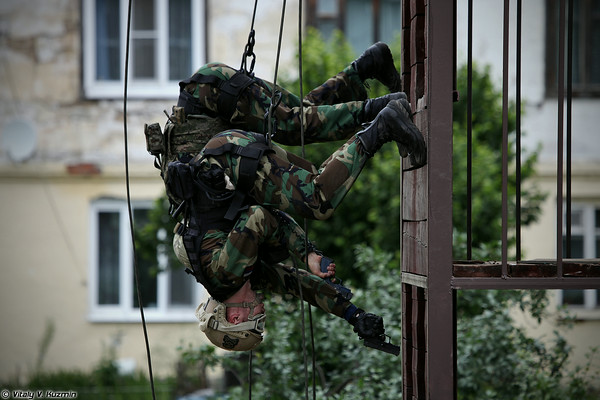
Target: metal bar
pixel 525 283
pixel 569 109
pixel 560 142
pixel 505 42
pixel 518 134
pixel 470 131
pixel 440 340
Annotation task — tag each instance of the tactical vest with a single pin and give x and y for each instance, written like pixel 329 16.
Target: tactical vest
pixel 200 196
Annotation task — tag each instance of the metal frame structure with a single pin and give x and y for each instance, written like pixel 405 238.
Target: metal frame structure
pixel 430 278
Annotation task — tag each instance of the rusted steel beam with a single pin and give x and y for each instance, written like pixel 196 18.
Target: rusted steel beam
pixel 528 268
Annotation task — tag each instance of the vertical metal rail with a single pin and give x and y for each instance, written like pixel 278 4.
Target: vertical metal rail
pixel 469 130
pixel 518 134
pixel 439 295
pixel 560 139
pixel 569 109
pixel 505 39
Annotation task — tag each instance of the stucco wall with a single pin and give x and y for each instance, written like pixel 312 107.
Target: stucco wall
pixel 45 240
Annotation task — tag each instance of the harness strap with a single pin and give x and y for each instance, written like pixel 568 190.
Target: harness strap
pixel 229 93
pixel 250 158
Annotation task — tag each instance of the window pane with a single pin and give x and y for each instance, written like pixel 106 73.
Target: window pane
pixel 359 23
pixel 143 15
pixel 597 212
pixel 108 258
pixel 182 287
pixel 143 58
pixel 573 297
pixel 327 8
pixel 578 67
pixel 180 40
pixel 576 218
pixel 108 55
pixel 576 246
pixel 147 266
pixel 389 20
pixel 594 46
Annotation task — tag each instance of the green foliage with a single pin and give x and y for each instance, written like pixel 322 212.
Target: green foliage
pixel 103 382
pixel 496 359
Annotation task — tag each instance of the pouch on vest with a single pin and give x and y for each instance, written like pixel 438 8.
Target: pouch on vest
pixel 184 137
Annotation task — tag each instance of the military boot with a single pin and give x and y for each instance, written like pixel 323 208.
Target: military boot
pixel 374 106
pixel 377 62
pixel 393 123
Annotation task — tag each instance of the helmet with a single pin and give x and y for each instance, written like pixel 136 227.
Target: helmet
pixel 241 337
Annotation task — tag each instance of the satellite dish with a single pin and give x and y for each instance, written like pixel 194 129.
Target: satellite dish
pixel 18 139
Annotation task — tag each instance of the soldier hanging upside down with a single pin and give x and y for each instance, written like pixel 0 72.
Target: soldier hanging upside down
pixel 236 237
pixel 225 254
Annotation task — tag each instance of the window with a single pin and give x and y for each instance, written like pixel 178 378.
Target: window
pixel 169 294
pixel 166 46
pixel 586 47
pixel 585 243
pixel 363 22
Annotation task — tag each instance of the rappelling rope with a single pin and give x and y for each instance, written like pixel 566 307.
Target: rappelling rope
pixel 312 336
pixel 135 267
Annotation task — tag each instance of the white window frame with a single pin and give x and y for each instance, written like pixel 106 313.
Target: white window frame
pixel 160 88
pixel 125 311
pixel 590 309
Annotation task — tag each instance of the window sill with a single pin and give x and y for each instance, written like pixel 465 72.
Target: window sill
pixel 138 90
pixel 180 315
pixel 584 314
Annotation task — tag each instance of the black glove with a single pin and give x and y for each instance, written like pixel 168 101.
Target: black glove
pixel 367 325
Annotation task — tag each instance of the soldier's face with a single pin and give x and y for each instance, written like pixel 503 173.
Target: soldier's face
pixel 236 315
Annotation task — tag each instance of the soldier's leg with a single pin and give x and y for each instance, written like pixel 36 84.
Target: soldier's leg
pixel 310 193
pixel 344 87
pixel 334 111
pixel 258 233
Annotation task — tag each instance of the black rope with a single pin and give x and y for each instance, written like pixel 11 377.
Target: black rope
pixel 250 376
pixel 135 267
pixel 312 336
pixel 276 95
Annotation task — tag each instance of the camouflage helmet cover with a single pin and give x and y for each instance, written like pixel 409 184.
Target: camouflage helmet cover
pixel 241 337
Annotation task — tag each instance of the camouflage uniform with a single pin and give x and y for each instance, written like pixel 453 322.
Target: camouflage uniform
pixel 284 183
pixel 333 111
pixel 290 183
pixel 230 258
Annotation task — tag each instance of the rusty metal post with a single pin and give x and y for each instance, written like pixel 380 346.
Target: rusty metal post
pixel 429 343
pixel 440 302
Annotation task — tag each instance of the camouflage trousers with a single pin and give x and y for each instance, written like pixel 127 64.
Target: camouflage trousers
pixel 290 183
pixel 231 258
pixel 332 111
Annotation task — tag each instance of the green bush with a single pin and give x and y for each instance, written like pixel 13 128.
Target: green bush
pixel 103 382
